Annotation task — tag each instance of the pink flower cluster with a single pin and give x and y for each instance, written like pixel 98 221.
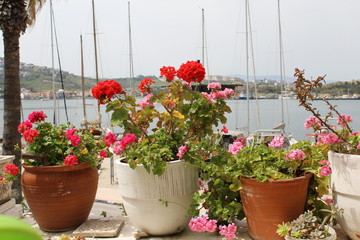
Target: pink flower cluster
pixel 237 145
pixel 71 160
pixel 296 155
pixel 277 142
pixel 215 94
pixel 312 122
pixel 325 170
pixel 119 146
pixel 328 139
pixel 228 231
pixel 343 120
pixel 202 224
pixel 214 85
pixel 182 150
pixel 74 139
pixel 146 101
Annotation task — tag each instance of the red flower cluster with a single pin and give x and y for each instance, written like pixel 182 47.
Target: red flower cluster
pixel 25 128
pixel 36 116
pixel 71 160
pixel 168 72
pixel 74 139
pixel 191 71
pixel 109 139
pixel 106 90
pixel 144 85
pixel 26 125
pixel 11 169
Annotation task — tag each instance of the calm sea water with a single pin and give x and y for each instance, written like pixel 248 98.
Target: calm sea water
pixel 269 112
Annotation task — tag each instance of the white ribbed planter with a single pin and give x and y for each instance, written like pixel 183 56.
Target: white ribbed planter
pixel 330 229
pixel 345 185
pixel 144 196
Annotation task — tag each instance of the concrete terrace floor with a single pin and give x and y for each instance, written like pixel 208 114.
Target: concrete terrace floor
pixel 108 199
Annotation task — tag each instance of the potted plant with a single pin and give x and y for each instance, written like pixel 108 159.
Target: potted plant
pixel 276 184
pixel 343 145
pixel 60 178
pixel 156 179
pixel 309 227
pixel 9 172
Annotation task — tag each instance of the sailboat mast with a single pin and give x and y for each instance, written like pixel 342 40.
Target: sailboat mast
pixel 55 120
pixel 203 37
pixel 281 65
pixel 247 65
pixel 131 64
pixel 95 49
pixel 83 80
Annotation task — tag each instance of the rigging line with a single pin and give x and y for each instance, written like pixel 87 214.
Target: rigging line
pixel 254 72
pixel 52 65
pixel 58 55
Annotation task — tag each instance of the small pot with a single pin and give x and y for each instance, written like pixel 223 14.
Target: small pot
pixel 331 231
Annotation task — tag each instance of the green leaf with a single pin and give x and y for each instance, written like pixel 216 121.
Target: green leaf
pixel 119 116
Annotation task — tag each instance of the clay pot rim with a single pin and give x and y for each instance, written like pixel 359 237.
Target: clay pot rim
pixel 56 168
pixel 278 181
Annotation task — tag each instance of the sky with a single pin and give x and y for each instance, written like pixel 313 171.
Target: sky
pixel 320 36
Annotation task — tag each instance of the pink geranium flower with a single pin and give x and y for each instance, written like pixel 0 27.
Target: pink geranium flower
pixel 312 122
pixel 296 155
pixel 235 147
pixel 277 142
pixel 228 231
pixel 343 120
pixel 214 85
pixel 182 151
pixel 325 170
pixel 202 224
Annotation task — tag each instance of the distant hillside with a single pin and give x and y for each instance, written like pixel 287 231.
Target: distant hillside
pixel 39 78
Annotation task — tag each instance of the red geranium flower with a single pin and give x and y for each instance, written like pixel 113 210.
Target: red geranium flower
pixel 30 134
pixel 11 169
pixel 71 160
pixel 106 90
pixel 144 85
pixel 103 154
pixel 37 116
pixel 24 126
pixel 168 72
pixel 191 71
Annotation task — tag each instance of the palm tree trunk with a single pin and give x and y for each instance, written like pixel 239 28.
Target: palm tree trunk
pixel 12 102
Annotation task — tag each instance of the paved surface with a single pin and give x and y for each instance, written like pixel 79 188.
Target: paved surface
pixel 108 200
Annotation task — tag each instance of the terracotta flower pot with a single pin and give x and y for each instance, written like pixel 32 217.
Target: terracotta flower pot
pixel 60 197
pixel 271 203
